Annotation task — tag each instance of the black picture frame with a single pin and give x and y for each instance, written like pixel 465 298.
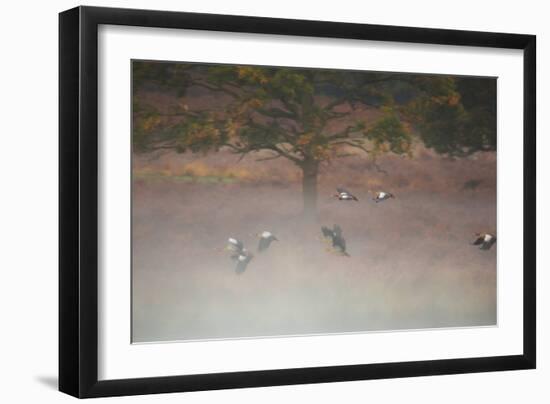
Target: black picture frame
pixel 78 201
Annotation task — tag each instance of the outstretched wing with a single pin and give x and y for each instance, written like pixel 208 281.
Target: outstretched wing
pixel 242 263
pixel 264 243
pixel 343 191
pixel 339 243
pixel 488 244
pixel 241 266
pixel 478 241
pixel 339 246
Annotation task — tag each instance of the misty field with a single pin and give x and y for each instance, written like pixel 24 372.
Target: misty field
pixel 411 264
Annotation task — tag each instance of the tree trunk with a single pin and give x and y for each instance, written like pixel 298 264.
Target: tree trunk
pixel 310 170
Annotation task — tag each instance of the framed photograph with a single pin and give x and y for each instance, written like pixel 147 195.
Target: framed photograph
pixel 251 201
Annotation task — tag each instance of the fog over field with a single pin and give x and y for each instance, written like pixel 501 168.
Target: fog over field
pixel 411 263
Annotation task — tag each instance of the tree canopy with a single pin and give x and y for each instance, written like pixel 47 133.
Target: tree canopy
pixel 309 116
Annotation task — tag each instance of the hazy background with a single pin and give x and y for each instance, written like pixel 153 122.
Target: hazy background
pixel 411 263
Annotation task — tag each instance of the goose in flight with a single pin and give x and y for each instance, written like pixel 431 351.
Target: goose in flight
pixel 344 195
pixel 382 196
pixel 234 246
pixel 266 238
pixel 335 239
pixel 238 253
pixel 485 240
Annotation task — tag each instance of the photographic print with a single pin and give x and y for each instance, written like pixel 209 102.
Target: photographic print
pixel 282 201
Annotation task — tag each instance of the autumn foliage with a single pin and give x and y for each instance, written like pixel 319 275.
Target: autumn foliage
pixel 309 116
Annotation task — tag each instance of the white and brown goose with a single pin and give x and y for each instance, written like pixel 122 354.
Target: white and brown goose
pixel 344 195
pixel 380 196
pixel 485 240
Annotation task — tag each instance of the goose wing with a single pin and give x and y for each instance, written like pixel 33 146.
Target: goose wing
pixel 488 244
pixel 343 191
pixel 339 246
pixel 241 267
pixel 242 263
pixel 339 243
pixel 478 241
pixel 264 243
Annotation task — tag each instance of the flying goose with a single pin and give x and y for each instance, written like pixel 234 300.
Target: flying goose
pixel 382 196
pixel 234 246
pixel 238 253
pixel 344 195
pixel 485 240
pixel 266 237
pixel 335 238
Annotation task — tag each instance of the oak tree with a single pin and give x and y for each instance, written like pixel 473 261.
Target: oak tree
pixel 309 116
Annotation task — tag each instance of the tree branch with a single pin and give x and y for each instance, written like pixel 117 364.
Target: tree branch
pixel 352 144
pixel 364 149
pixel 352 95
pixel 284 153
pixel 276 156
pixel 344 134
pixel 186 114
pixel 275 113
pixel 215 88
